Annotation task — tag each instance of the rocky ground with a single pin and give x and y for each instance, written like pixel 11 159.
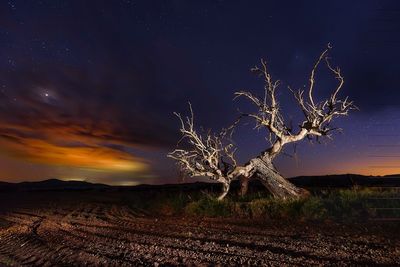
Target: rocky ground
pixel 116 235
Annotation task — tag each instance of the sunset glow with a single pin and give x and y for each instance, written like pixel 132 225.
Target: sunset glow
pixel 83 155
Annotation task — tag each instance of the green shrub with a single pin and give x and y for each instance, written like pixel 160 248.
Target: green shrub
pixel 349 205
pixel 314 209
pixel 355 204
pixel 171 205
pixel 209 207
pixel 241 209
pixel 257 208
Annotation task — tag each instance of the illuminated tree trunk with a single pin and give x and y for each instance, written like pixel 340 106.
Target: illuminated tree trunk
pixel 263 169
pixel 225 190
pixel 276 184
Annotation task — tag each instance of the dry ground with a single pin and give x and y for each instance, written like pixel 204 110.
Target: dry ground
pixel 112 234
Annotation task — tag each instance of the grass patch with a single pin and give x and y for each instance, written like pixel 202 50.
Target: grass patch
pixel 355 204
pixel 209 207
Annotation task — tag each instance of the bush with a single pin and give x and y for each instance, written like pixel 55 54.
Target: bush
pixel 314 209
pixel 209 207
pixel 341 205
pixel 172 205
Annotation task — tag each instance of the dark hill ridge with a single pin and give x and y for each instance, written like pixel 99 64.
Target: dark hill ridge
pixel 347 180
pixel 333 181
pixel 50 184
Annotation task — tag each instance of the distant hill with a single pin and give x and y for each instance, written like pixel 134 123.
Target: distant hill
pixel 50 185
pixel 331 181
pixel 347 180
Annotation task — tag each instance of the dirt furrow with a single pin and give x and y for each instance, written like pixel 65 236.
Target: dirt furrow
pixel 112 235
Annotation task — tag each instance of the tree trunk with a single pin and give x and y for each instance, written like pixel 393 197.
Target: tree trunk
pixel 279 187
pixel 244 186
pixel 225 190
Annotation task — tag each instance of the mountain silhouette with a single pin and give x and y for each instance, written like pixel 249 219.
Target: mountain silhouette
pixel 50 184
pixel 333 181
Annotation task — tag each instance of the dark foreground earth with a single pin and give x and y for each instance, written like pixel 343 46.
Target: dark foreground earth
pixel 45 229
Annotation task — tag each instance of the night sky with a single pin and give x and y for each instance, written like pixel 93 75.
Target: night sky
pixel 88 88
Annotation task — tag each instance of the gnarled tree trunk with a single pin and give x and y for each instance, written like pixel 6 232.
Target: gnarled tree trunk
pixel 266 173
pixel 225 190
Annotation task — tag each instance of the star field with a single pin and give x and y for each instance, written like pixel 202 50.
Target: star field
pixel 88 88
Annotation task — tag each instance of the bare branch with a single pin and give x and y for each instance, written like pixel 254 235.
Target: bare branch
pixel 312 76
pixel 318 115
pixel 207 154
pixel 268 114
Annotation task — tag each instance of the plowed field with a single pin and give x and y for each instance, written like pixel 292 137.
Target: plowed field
pixel 110 234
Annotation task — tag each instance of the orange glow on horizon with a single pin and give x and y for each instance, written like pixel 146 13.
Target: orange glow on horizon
pixel 368 166
pixel 90 156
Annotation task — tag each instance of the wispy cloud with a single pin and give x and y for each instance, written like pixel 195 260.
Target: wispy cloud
pixel 41 121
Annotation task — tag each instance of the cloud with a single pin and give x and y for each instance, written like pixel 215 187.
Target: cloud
pixel 69 121
pixel 69 146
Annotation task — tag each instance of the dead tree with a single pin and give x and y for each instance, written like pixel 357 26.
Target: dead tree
pixel 206 154
pixel 212 155
pixel 268 114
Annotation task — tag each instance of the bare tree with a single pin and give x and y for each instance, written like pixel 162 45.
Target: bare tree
pixel 316 123
pixel 212 155
pixel 206 154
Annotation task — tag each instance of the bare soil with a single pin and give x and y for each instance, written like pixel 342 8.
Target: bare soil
pixel 114 234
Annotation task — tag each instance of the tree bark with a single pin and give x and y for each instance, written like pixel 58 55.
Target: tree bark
pixel 244 186
pixel 279 187
pixel 225 190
